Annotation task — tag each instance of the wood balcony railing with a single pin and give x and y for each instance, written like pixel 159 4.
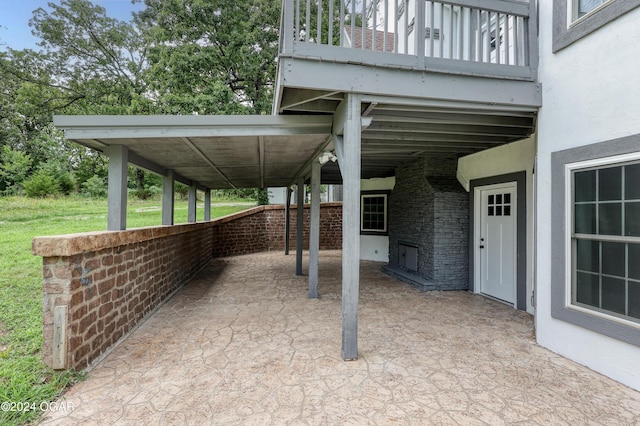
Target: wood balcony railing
pixel 494 38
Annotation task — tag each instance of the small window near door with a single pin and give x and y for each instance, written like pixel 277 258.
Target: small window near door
pixel 499 205
pixel 373 213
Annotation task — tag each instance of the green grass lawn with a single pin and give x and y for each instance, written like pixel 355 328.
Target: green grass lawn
pixel 24 378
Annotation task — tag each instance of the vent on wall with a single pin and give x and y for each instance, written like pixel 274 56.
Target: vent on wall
pixel 408 255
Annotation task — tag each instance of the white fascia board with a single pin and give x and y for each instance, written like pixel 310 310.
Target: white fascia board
pixel 167 126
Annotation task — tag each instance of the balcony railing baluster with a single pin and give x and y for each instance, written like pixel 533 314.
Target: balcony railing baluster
pixel 472 32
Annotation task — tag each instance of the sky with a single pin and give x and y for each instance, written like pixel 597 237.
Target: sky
pixel 15 15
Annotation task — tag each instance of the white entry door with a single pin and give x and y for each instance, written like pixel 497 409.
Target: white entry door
pixel 496 241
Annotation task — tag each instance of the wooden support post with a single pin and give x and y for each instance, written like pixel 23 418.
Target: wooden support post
pixel 314 230
pixel 168 195
pixel 117 187
pixel 287 222
pixel 348 150
pixel 191 203
pixel 207 204
pixel 300 225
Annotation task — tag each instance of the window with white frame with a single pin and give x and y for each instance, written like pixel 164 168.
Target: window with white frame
pixel 580 8
pixel 373 211
pixel 605 237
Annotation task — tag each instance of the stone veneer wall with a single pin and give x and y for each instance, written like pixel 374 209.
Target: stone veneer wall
pixel 97 286
pixel 429 209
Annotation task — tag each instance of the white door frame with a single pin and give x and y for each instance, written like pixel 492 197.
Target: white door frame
pixel 478 231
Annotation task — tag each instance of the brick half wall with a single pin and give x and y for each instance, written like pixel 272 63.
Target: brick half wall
pixel 97 286
pixel 262 229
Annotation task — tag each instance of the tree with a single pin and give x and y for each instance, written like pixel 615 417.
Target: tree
pixel 89 63
pixel 41 184
pixel 212 56
pixel 14 168
pixel 177 57
pixel 9 116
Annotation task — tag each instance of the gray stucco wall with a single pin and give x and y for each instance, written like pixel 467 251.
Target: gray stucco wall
pixel 428 208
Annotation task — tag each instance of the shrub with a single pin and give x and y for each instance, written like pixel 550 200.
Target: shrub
pixel 67 182
pixel 94 187
pixel 14 169
pixel 41 184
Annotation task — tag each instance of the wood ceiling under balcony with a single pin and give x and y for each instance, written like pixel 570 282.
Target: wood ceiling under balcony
pixel 399 130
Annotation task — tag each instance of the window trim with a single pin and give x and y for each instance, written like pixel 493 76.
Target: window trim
pixel 372 194
pixel 569 170
pixel 573 5
pixel 566 31
pixel 561 307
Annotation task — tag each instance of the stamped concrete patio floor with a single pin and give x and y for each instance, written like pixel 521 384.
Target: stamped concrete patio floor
pixel 242 344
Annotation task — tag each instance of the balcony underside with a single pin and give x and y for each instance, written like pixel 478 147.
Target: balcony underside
pixel 410 114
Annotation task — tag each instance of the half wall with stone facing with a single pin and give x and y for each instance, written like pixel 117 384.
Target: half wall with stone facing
pixel 97 286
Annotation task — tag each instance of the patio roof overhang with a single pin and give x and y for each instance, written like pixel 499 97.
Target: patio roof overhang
pixel 211 152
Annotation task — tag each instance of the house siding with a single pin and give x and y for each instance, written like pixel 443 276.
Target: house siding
pixel 590 100
pixel 428 208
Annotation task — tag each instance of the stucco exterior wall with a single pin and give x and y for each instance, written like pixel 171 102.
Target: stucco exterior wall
pixel 511 158
pixel 591 94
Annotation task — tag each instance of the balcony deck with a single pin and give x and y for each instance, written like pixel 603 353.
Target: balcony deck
pixel 470 87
